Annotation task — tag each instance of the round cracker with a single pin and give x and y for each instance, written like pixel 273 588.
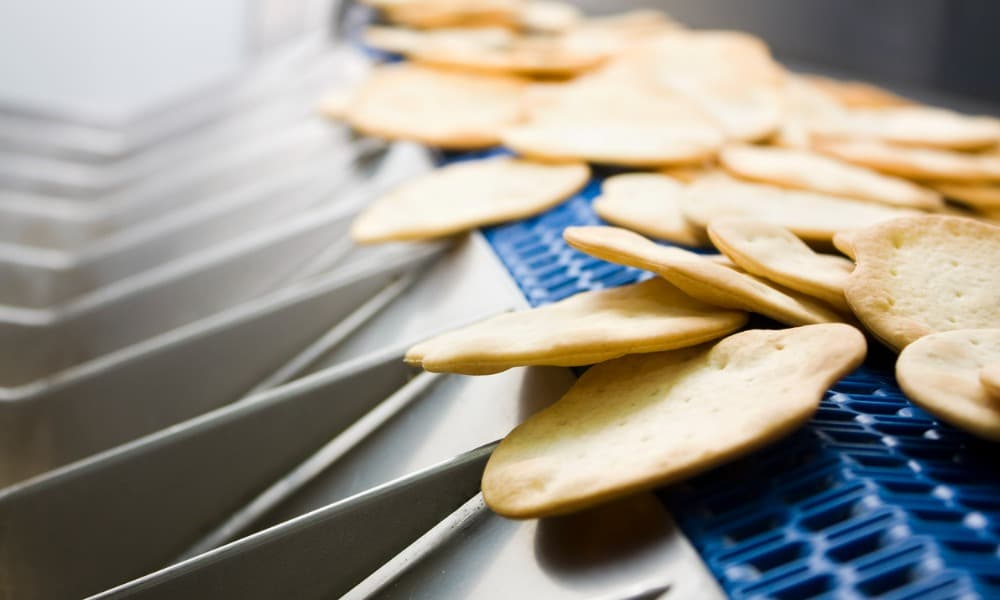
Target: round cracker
pixel 728 75
pixel 584 329
pixel 700 277
pixel 712 58
pixel 941 373
pixel 549 16
pixel 407 41
pixel 812 216
pixel 980 196
pixel 805 170
pixel 912 126
pixel 617 33
pixel 467 195
pixel 647 203
pixel 856 94
pixel 593 121
pixel 920 275
pixel 529 56
pixel 431 14
pixel 629 144
pixel 435 107
pixel 644 421
pixel 989 377
pixel 776 254
pixel 915 163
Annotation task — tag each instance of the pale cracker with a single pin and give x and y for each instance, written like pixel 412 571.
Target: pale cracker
pixel 617 33
pixel 584 329
pixel 401 40
pixel 430 14
pixel 641 422
pixel 856 94
pixel 700 277
pixel 467 195
pixel 434 107
pixel 805 170
pixel 336 103
pixel 989 377
pixel 712 58
pixel 730 76
pixel 922 126
pixel 915 163
pixel 630 144
pixel 549 16
pixel 647 203
pixel 776 254
pixel 593 121
pixel 812 216
pixel 803 103
pixel 941 373
pixel 980 196
pixel 535 56
pixel 919 275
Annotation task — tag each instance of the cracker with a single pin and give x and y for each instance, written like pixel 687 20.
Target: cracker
pixel 856 94
pixel 467 195
pixel 645 421
pixel 401 40
pixel 647 203
pixel 913 126
pixel 805 170
pixel 435 107
pixel 524 55
pixel 920 275
pixel 587 328
pixel 989 377
pixel 336 103
pixel 549 16
pixel 730 76
pixel 430 14
pixel 711 59
pixel 629 144
pixel 980 196
pixel 617 33
pixel 812 216
pixel 700 277
pixel 941 373
pixel 774 253
pixel 916 163
pixel 804 103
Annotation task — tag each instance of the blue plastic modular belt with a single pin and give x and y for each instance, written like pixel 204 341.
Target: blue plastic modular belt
pixel 873 498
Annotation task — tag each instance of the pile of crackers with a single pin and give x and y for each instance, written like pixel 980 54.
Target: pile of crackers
pixel 840 211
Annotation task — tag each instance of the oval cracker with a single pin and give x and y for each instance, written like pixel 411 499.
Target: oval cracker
pixel 920 275
pixel 466 195
pixel 700 277
pixel 584 329
pixel 941 373
pixel 643 421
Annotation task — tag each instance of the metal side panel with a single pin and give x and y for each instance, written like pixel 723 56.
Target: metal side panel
pixel 135 509
pixel 92 139
pixel 183 373
pixel 325 553
pixel 344 430
pixel 231 130
pixel 44 342
pixel 47 220
pixel 62 276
